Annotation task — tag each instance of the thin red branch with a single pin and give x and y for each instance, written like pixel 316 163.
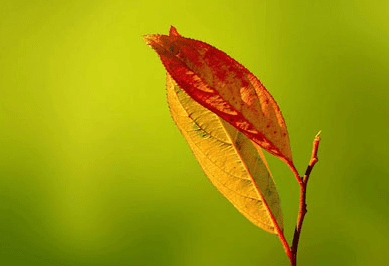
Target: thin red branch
pixel 302 203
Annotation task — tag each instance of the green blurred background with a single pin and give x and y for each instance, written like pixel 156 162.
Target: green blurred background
pixel 94 172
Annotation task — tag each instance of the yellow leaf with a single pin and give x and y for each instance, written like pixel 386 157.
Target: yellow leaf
pixel 231 161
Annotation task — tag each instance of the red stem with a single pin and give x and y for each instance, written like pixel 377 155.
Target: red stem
pixel 292 252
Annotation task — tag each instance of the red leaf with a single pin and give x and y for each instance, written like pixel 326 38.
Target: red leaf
pixel 225 87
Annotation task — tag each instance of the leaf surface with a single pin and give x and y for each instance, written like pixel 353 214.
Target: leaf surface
pixel 225 87
pixel 231 161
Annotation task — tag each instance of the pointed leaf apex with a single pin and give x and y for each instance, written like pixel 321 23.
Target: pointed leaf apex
pixel 149 39
pixel 173 31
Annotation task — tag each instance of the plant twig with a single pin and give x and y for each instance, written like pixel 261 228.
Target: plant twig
pixel 302 203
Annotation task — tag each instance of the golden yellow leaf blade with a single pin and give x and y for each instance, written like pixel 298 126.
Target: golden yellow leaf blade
pixel 229 159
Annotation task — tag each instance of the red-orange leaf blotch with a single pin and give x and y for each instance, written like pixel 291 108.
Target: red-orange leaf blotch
pixel 224 86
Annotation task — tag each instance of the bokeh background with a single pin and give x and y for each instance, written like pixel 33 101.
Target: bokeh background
pixel 94 172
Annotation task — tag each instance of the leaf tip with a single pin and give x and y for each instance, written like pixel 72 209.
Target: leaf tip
pixel 147 39
pixel 173 31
